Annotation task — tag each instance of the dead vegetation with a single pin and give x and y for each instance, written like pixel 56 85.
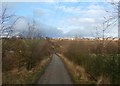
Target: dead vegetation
pixel 22 59
pixel 101 64
pixel 77 72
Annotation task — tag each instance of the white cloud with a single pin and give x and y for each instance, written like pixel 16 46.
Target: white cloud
pixel 84 25
pixel 92 10
pixel 85 21
pixel 77 21
pixel 21 25
pixel 28 1
pixel 58 0
pixel 90 20
pixel 112 0
pixel 68 0
pixel 38 12
pixel 69 9
pixel 95 11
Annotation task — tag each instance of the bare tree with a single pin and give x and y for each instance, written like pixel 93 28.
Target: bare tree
pixel 6 25
pixel 33 30
pixel 109 21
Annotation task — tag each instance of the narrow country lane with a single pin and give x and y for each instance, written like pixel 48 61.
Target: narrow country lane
pixel 55 73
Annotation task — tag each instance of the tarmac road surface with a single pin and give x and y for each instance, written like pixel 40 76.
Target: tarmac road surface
pixel 55 73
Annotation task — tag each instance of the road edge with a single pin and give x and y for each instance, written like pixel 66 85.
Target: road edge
pixel 71 78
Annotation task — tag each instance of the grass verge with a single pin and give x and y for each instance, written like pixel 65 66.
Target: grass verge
pixel 41 68
pixel 25 77
pixel 78 73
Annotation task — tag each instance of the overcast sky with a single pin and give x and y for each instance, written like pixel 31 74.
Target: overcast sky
pixel 63 19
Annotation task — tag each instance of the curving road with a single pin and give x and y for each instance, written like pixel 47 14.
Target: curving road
pixel 55 73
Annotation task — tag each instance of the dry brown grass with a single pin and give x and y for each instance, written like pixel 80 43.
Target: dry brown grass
pixel 23 76
pixel 77 72
pixel 23 59
pixel 100 63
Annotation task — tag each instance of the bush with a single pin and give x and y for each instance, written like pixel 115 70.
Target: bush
pixel 94 58
pixel 17 53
